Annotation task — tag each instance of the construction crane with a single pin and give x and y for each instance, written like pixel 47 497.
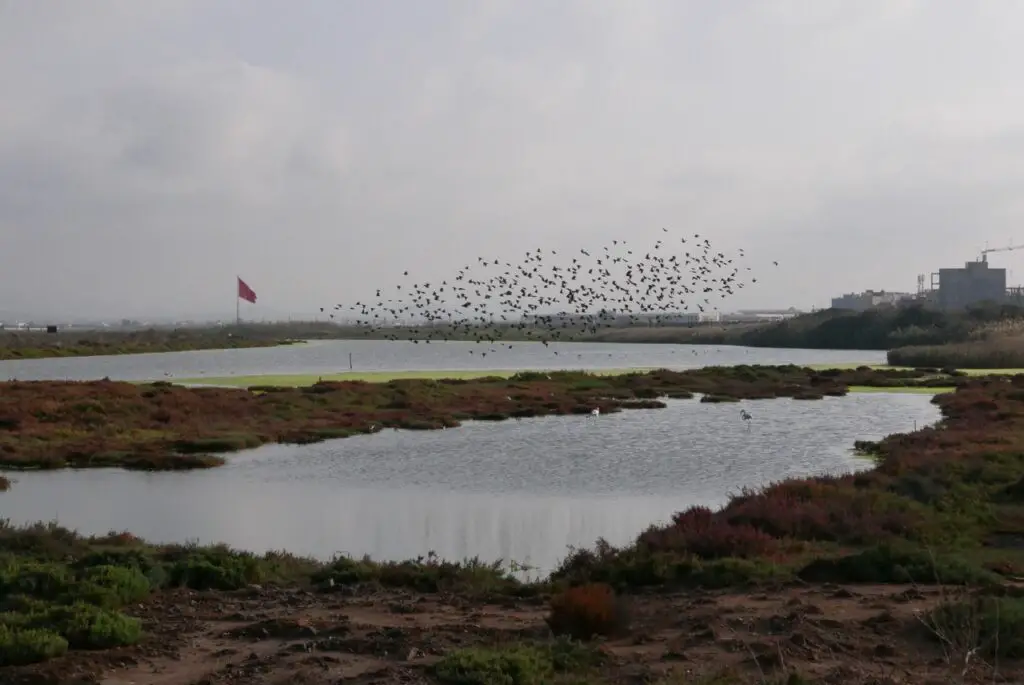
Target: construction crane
pixel 1010 248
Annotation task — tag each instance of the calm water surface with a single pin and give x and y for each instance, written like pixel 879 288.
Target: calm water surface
pixel 332 356
pixel 522 490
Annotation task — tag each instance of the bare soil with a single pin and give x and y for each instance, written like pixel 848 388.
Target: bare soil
pixel 257 636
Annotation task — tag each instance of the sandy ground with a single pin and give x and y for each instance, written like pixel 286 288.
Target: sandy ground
pixel 834 634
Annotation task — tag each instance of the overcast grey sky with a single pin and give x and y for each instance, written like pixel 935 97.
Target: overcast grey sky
pixel 150 150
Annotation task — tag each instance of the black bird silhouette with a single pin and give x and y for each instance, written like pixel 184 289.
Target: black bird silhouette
pixel 547 301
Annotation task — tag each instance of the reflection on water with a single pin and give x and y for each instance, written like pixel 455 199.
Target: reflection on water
pixel 332 356
pixel 521 490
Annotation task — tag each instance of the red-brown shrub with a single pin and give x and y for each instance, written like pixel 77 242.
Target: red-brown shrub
pixel 588 610
pixel 822 510
pixel 708 535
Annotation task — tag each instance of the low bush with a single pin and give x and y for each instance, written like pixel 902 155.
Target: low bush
pixel 886 564
pixel 112 586
pixel 700 532
pixel 210 570
pixel 869 448
pixel 824 510
pixel 519 664
pixel 19 646
pixel 992 626
pixel 48 608
pixel 85 626
pixel 585 611
pixel 635 567
pixel 426 574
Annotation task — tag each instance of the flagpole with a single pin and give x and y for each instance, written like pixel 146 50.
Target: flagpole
pixel 238 310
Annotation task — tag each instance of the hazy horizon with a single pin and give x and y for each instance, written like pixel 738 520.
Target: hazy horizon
pixel 150 151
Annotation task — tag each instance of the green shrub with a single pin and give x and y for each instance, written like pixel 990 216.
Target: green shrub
pixel 422 575
pixel 112 586
pixel 633 568
pixel 345 571
pixel 85 626
pixel 993 625
pixel 42 580
pixel 522 664
pixel 885 564
pixel 200 573
pixel 19 647
pixel 138 559
pixel 222 568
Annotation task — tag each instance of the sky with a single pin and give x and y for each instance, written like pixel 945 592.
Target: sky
pixel 152 151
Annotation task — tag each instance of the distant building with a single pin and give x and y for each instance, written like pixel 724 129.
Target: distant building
pixel 975 283
pixel 869 299
pixel 691 318
pixel 760 315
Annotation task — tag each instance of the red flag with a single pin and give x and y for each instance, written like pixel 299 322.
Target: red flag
pixel 245 292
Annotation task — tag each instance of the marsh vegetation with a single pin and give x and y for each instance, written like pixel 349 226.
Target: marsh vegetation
pixel 916 560
pixel 160 426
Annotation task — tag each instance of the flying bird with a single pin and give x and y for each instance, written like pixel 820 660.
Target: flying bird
pixel 548 298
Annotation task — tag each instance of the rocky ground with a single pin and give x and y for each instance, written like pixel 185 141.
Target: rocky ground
pixel 827 633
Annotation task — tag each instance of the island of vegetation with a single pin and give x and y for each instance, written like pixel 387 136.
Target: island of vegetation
pixel 909 572
pixel 161 426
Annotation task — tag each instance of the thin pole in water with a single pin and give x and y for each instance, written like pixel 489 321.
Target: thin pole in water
pixel 349 361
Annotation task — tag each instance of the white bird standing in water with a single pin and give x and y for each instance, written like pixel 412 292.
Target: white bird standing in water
pixel 595 411
pixel 745 415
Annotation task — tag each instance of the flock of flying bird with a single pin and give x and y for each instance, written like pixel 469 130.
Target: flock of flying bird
pixel 552 296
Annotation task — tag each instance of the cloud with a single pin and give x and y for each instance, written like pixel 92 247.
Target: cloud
pixel 245 133
pixel 323 149
pixel 160 177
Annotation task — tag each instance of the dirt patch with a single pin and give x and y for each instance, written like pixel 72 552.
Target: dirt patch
pixel 849 634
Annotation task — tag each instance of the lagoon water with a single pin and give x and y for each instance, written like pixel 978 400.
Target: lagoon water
pixel 521 490
pixel 332 356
